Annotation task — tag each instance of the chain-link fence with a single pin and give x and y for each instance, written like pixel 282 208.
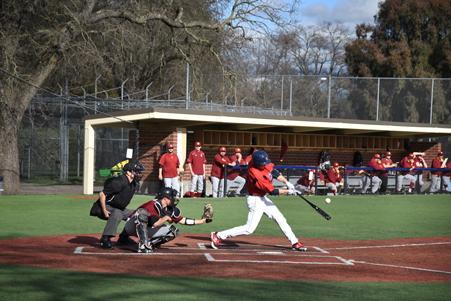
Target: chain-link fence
pixel 51 139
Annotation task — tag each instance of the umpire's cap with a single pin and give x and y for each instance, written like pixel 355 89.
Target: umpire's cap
pixel 260 158
pixel 169 193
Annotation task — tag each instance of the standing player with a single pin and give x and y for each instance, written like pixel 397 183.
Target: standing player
pixel 259 183
pixel 169 169
pixel 148 222
pixel 196 163
pixel 419 162
pixel 437 162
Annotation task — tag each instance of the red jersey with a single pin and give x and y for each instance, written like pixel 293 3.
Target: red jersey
pixel 305 181
pixel 406 163
pixel 235 173
pixel 437 163
pixel 156 211
pixel 197 160
pixel 448 173
pixel 333 177
pixel 217 168
pixel 259 181
pixel 169 162
pixel 377 165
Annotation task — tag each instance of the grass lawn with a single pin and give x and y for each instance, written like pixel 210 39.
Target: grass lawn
pixel 353 217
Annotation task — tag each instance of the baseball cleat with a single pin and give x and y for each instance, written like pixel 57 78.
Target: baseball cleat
pixel 125 240
pixel 299 246
pixel 105 242
pixel 215 240
pixel 145 248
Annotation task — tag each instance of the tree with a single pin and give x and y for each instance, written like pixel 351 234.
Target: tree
pixel 42 36
pixel 408 39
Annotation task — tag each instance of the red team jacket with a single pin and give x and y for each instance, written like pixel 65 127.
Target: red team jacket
pixel 437 163
pixel 259 181
pixel 333 177
pixel 235 173
pixel 217 168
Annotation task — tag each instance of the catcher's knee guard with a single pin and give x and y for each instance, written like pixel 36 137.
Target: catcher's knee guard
pixel 163 235
pixel 141 216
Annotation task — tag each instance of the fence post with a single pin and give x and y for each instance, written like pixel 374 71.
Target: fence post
pixel 291 94
pixel 281 96
pixel 378 95
pixel 122 93
pixel 95 93
pixel 187 96
pixel 328 96
pixel 432 101
pixel 147 90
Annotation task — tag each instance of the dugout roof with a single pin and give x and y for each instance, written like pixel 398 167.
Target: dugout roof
pixel 194 119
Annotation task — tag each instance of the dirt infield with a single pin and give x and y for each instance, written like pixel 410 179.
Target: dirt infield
pixel 254 257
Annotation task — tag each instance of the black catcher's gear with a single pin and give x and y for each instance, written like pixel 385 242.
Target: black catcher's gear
pixel 169 193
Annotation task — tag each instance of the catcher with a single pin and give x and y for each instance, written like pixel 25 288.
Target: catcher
pixel 148 222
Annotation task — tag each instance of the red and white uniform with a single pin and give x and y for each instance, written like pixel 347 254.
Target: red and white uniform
pixel 217 175
pixel 236 177
pixel 156 211
pixel 406 162
pixel 197 160
pixel 437 162
pixel 259 183
pixel 374 181
pixel 333 179
pixel 447 177
pixel 169 163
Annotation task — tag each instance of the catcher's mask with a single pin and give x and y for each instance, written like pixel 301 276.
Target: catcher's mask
pixel 169 193
pixel 136 168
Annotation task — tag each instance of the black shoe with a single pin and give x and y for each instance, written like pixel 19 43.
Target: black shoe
pixel 125 240
pixel 105 242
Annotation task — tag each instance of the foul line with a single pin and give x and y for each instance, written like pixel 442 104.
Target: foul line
pixel 401 267
pixel 392 246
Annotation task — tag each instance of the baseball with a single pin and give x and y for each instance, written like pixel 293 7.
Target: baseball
pixel 327 200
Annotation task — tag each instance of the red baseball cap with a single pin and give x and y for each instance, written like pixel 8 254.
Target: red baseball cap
pixel 336 164
pixel 411 156
pixel 197 143
pixel 222 149
pixel 170 145
pixel 388 154
pixel 237 150
pixel 440 154
pixel 377 156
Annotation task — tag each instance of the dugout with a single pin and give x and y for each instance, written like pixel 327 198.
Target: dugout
pixel 304 137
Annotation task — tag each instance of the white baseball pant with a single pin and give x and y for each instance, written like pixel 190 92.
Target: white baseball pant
pixel 197 183
pixel 172 183
pixel 435 183
pixel 257 206
pixel 412 179
pixel 240 181
pixel 375 181
pixel 447 183
pixel 217 187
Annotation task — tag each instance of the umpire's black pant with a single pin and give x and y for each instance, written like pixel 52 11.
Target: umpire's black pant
pixel 116 215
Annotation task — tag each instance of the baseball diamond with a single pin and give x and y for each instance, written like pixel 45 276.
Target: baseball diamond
pixel 410 260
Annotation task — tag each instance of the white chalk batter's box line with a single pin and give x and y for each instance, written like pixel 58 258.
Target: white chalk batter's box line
pixel 334 260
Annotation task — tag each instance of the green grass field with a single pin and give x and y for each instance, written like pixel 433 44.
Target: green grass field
pixel 353 217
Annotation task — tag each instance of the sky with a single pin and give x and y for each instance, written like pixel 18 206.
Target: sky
pixel 348 12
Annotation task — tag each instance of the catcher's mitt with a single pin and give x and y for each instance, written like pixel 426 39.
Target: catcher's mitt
pixel 208 213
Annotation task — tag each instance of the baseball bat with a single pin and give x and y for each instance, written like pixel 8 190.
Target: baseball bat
pixel 317 209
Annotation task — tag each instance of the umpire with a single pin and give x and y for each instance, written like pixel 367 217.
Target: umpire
pixel 115 197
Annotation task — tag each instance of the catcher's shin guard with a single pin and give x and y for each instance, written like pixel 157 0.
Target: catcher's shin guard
pixel 141 226
pixel 163 235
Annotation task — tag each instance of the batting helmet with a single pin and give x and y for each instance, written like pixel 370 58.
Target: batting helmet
pixel 222 149
pixel 169 193
pixel 260 158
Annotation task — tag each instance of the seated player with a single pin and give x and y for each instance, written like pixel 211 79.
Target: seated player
pixel 371 178
pixel 334 179
pixel 306 183
pixel 148 222
pixel 408 162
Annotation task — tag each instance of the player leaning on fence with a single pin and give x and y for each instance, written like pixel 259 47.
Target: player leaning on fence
pixel 259 183
pixel 437 162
